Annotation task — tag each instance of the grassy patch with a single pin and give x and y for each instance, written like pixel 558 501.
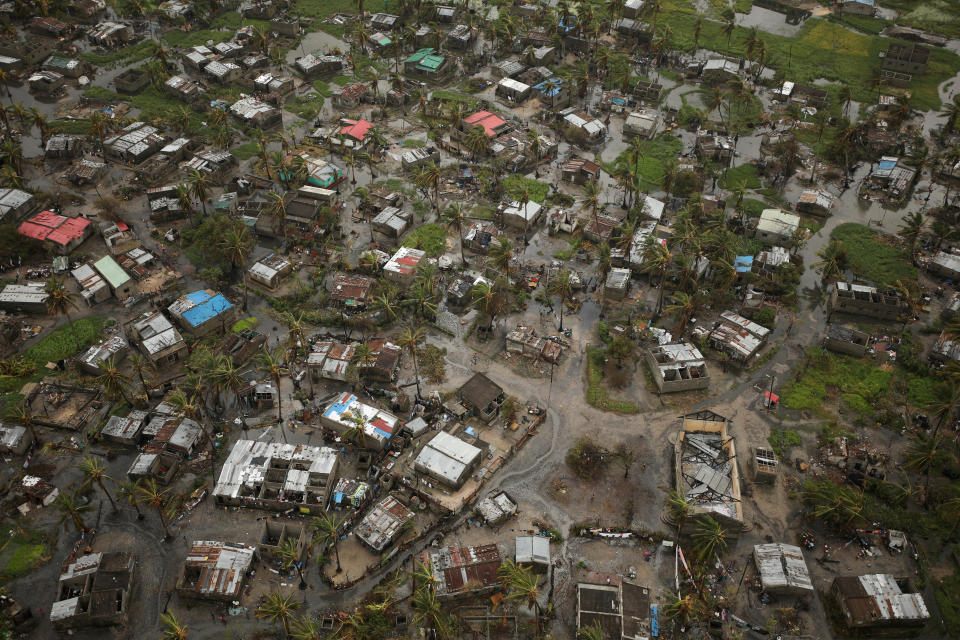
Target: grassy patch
pixel 566 254
pixel 872 259
pixel 597 395
pixel 821 49
pixel 861 382
pixel 97 92
pixel 444 95
pixel 483 212
pixel 514 185
pixel 307 107
pixel 932 15
pixel 413 143
pixel 650 162
pixel 431 238
pixel 782 439
pixel 866 24
pixel 133 53
pixel 154 103
pixel 947 594
pixel 745 174
pixel 323 88
pixel 177 38
pixel 245 151
pixel 77 127
pixel 244 324
pixel 22 552
pixel 342 80
pixel 753 208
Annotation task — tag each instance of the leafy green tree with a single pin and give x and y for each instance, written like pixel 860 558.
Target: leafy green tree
pixel 61 301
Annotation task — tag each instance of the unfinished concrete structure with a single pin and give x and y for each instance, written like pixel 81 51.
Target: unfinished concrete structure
pixel 706 472
pixel 867 301
pixel 852 342
pixel 764 465
pixel 93 590
pixel 876 601
pixel 620 608
pixel 677 367
pixel 277 477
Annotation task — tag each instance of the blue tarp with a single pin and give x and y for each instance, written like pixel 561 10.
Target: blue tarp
pixel 548 90
pixel 207 310
pixel 743 264
pixel 198 297
pixel 654 622
pixel 338 497
pixel 339 407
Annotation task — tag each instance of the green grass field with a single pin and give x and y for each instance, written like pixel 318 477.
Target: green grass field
pixel 514 186
pixel 872 259
pixel 653 154
pixel 21 552
pixel 431 238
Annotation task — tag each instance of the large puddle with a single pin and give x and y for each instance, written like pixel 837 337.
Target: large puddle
pixel 316 42
pixel 769 21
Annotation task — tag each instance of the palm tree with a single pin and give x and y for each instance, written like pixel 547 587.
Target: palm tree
pixel 562 288
pixel 455 217
pixel 307 628
pixel 112 381
pixel 945 407
pixel 709 538
pixel 60 301
pixel 951 112
pixel 684 305
pixel 200 187
pixel 839 505
pixel 501 254
pixel 594 631
pixel 678 507
pixel 591 200
pixel 428 612
pixel 951 510
pixel 429 178
pixel 657 259
pixel 227 376
pixel 832 262
pixel 173 629
pixel 94 473
pixel 129 491
pixel 278 607
pixel 476 140
pixel 923 455
pixel 326 531
pixel 278 210
pixel 727 30
pixel 911 230
pixel 22 414
pixel 409 340
pixel 489 300
pixel 521 583
pixel 151 495
pixel 271 363
pixel 356 433
pixel 71 509
pixel 289 553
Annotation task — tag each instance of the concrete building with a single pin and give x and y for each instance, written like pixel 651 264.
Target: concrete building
pixel 497 509
pixel 715 147
pixel 815 201
pixel 841 339
pixel 776 226
pixel 159 340
pixel 428 64
pixel 402 267
pixel 463 571
pixel 330 359
pixel 521 216
pixel 382 523
pixel 621 609
pixel 113 348
pixel 253 112
pixel 132 81
pixel 946 265
pixel 420 157
pixel 276 476
pixel 864 300
pixel 134 143
pixel 275 533
pixel 579 127
pixel 617 284
pixel 121 284
pixel 125 430
pixel 737 336
pixel 15 204
pixel 482 396
pixel 677 367
pixel 706 471
pixel 905 58
pixel 46 83
pixel 269 271
pixel 857 7
pixel 93 590
pixel 67 67
pixel 782 569
pixel 876 601
pixel 110 35
pixel 58 234
pixel 533 552
pixel 641 123
pixel 203 312
pixel 764 465
pixel 24 298
pixel 346 411
pixel 351 291
pixel 448 460
pixel 512 90
pixel 14 439
pixel 719 71
pixel 580 171
pixel 392 222
pixel 215 570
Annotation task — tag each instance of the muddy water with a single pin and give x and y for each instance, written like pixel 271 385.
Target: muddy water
pixel 769 21
pixel 319 42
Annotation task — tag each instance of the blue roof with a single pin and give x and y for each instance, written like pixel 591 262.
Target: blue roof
pixel 198 297
pixel 206 310
pixel 548 90
pixel 743 264
pixel 886 165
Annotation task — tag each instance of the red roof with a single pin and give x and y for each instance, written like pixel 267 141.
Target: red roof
pixel 122 226
pixel 487 120
pixel 47 225
pixel 382 425
pixel 356 129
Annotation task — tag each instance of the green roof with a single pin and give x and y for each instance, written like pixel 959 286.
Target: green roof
pixel 384 41
pixel 431 63
pixel 420 55
pixel 111 271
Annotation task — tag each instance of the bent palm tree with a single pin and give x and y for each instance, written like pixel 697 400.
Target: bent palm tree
pixel 173 629
pixel 326 531
pixel 278 607
pixel 94 473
